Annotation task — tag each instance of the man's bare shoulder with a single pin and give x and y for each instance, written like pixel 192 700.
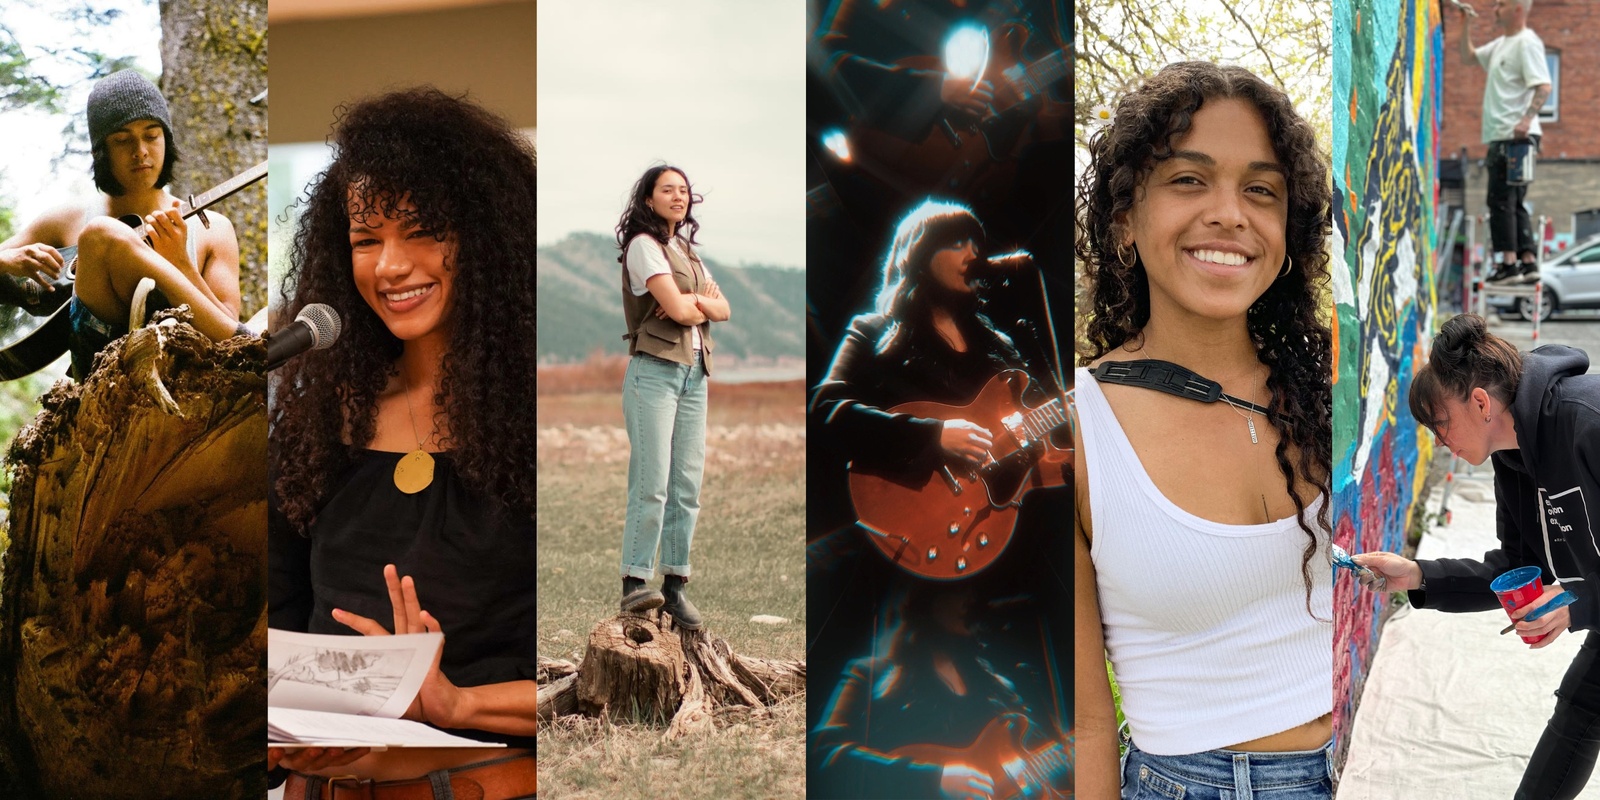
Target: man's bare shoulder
pixel 58 226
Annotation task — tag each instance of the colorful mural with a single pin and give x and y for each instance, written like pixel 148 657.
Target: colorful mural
pixel 1387 88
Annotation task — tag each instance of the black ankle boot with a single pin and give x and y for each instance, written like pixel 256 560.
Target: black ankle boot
pixel 683 612
pixel 638 597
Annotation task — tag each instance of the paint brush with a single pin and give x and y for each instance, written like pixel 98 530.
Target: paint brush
pixel 1368 578
pixel 1463 8
pixel 1560 600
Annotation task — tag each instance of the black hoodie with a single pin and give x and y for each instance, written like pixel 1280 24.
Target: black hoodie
pixel 1547 494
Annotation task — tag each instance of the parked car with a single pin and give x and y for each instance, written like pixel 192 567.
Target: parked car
pixel 1571 281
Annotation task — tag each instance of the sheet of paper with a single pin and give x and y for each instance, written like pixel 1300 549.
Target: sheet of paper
pixel 347 730
pixel 375 676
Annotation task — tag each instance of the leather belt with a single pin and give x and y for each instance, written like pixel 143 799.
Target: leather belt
pixel 501 779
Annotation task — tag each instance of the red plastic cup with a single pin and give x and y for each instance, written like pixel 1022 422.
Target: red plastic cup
pixel 1517 588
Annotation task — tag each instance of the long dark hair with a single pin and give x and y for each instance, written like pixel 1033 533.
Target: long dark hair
pixel 1285 323
pixel 1465 356
pixel 470 175
pixel 106 181
pixel 905 294
pixel 639 218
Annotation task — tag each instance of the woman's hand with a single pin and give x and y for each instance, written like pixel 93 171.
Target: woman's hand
pixel 39 263
pixel 967 441
pixel 311 759
pixel 1550 625
pixel 1402 573
pixel 439 702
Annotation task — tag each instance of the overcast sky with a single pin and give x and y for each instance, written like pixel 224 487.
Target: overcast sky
pixel 717 88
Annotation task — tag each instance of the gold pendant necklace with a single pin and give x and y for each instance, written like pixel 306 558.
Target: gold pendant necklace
pixel 415 470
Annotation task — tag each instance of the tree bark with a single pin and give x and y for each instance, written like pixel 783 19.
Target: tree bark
pixel 213 60
pixel 133 609
pixel 640 666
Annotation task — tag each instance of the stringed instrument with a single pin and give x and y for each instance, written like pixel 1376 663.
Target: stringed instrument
pixel 956 521
pixel 35 329
pixel 1000 750
pixel 965 153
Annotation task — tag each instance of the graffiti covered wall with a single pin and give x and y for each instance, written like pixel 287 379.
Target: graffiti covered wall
pixel 1386 93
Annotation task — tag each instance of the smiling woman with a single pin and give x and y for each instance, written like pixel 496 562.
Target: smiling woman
pixel 1201 535
pixel 403 455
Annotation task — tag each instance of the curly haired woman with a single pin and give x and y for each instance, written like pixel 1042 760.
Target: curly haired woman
pixel 1202 531
pixel 402 466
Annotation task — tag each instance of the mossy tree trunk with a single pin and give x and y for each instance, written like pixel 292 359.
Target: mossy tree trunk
pixel 213 60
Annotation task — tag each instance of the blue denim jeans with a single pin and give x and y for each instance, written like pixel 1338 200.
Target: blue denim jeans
pixel 1229 775
pixel 664 406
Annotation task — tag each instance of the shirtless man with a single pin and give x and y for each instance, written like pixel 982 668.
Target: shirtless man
pixel 133 151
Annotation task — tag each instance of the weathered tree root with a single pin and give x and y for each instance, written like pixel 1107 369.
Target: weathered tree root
pixel 133 619
pixel 641 666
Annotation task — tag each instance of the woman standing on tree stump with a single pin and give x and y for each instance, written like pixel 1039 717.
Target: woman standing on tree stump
pixel 403 455
pixel 669 301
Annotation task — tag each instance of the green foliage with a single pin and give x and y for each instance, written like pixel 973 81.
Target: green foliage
pixel 21 86
pixel 1286 42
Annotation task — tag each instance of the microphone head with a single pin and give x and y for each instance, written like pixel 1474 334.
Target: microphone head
pixel 1006 262
pixel 323 322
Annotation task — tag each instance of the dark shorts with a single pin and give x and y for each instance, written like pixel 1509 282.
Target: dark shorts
pixel 90 335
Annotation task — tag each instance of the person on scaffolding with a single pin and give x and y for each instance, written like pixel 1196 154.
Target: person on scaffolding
pixel 1517 87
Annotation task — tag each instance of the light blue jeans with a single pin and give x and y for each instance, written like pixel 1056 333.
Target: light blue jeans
pixel 1229 775
pixel 664 407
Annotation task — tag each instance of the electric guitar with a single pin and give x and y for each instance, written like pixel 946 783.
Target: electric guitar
pixel 999 750
pixel 29 344
pixel 956 521
pixel 966 153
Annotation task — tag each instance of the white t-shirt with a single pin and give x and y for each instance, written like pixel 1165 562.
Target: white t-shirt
pixel 645 261
pixel 1516 65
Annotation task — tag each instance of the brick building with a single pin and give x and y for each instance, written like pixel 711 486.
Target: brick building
pixel 1567 181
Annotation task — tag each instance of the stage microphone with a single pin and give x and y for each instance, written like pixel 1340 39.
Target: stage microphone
pixel 1008 262
pixel 315 328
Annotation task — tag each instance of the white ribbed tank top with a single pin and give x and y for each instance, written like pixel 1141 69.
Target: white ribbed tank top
pixel 1205 623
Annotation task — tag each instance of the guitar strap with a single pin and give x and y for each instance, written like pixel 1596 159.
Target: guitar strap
pixel 1165 376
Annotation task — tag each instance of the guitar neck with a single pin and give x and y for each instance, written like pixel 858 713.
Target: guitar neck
pixel 193 205
pixel 1033 80
pixel 1046 419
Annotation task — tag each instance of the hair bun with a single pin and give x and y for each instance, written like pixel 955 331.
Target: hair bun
pixel 1459 338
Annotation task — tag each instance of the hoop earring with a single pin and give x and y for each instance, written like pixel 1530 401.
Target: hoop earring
pixel 1122 256
pixel 1288 265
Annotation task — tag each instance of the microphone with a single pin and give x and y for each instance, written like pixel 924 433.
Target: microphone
pixel 315 328
pixel 1008 262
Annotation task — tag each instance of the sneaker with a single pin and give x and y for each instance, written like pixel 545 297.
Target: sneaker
pixel 683 612
pixel 1502 272
pixel 1528 271
pixel 637 597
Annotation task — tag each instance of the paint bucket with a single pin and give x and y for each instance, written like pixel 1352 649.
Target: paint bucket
pixel 1518 588
pixel 1520 157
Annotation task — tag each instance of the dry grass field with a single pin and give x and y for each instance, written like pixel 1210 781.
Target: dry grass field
pixel 749 559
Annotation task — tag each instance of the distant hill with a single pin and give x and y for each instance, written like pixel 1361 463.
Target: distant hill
pixel 580 304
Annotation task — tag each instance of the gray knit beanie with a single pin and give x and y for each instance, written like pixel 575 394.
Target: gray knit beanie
pixel 120 98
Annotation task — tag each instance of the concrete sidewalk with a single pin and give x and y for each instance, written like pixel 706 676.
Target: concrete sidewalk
pixel 1451 709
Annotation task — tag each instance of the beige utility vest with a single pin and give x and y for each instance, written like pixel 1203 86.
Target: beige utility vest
pixel 661 336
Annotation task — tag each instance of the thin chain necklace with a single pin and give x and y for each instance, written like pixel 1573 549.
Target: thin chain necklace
pixel 415 470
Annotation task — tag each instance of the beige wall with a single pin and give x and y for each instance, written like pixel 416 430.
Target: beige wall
pixel 316 65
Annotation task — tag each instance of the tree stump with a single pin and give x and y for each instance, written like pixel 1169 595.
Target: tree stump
pixel 641 666
pixel 133 615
